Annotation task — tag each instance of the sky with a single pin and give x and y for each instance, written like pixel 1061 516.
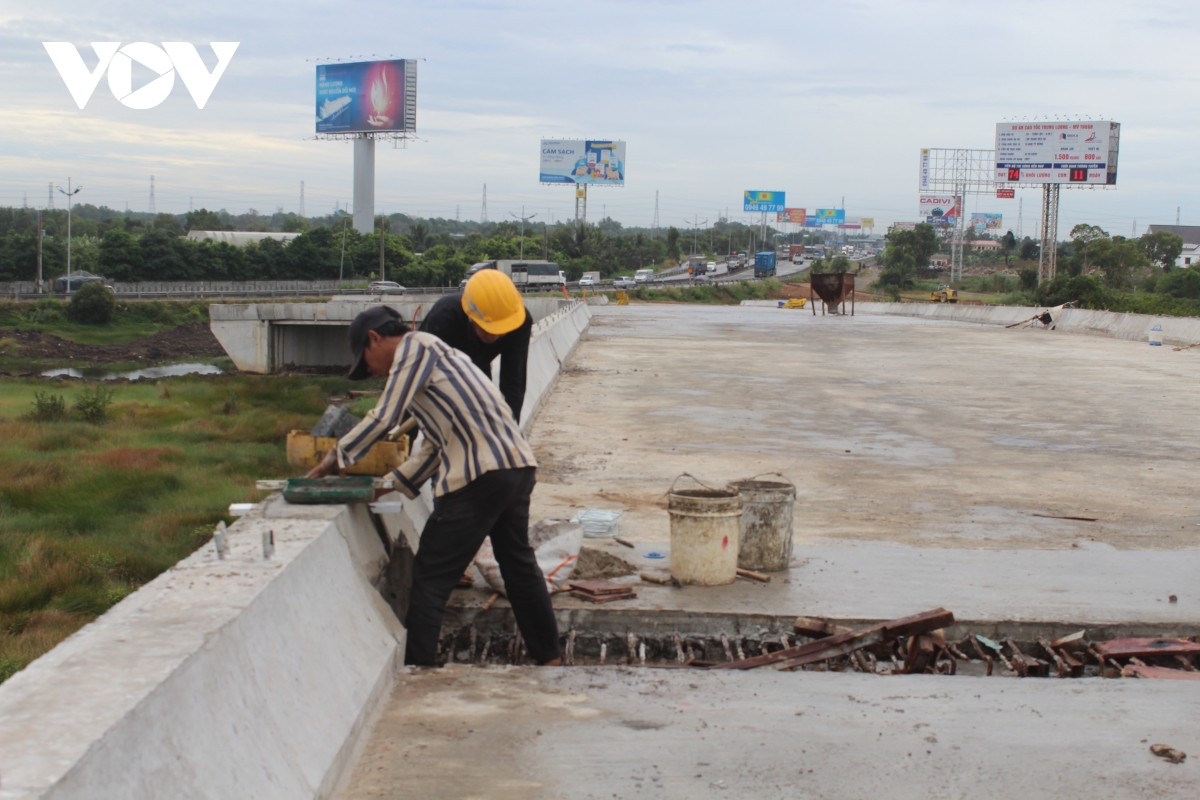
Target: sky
pixel 824 101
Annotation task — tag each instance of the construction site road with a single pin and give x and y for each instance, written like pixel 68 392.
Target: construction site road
pixel 627 732
pixel 893 429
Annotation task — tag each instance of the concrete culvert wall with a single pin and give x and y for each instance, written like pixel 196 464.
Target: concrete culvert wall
pixel 249 676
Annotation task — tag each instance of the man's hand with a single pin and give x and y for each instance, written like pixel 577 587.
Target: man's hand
pixel 327 465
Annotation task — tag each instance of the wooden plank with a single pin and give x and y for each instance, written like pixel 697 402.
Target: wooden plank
pixel 921 654
pixel 817 628
pixel 913 625
pixel 1161 673
pixel 832 650
pixel 1126 648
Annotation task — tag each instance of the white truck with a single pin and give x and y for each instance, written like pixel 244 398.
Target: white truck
pixel 644 275
pixel 528 276
pixel 590 279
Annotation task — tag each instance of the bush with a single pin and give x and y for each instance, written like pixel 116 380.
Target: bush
pixel 92 405
pixel 46 311
pixel 1029 278
pixel 48 408
pixel 93 304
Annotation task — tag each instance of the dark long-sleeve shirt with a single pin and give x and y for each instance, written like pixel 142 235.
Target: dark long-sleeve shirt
pixel 467 425
pixel 447 321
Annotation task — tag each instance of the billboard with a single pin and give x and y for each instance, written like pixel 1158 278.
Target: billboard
pixel 939 208
pixel 896 225
pixel 367 97
pixel 1057 152
pixel 595 161
pixel 986 222
pixel 796 216
pixel 868 222
pixel 831 216
pixel 923 180
pixel 1006 194
pixel 754 202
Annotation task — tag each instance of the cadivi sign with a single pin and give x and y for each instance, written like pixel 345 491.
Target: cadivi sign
pixel 172 57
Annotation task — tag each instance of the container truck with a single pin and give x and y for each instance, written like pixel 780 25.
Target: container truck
pixel 528 276
pixel 764 264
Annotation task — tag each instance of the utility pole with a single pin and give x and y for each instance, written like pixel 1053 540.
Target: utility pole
pixel 50 195
pixel 382 239
pixel 302 198
pixel 483 214
pixel 39 252
pixel 153 208
pixel 342 265
pixel 523 219
pixel 1020 215
pixel 545 242
pixel 1176 215
pixel 654 225
pixel 70 194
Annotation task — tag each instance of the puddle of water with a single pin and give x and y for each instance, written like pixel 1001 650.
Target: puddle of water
pixel 167 371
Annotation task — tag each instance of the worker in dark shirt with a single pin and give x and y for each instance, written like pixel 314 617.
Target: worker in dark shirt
pixel 487 319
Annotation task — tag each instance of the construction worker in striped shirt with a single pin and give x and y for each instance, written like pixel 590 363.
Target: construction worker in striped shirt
pixel 482 469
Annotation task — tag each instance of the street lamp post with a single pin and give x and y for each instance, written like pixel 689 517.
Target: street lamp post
pixel 70 194
pixel 342 265
pixel 523 219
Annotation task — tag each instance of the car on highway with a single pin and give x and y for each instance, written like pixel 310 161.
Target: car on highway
pixel 385 287
pixel 711 266
pixel 624 283
pixel 702 280
pixel 587 280
pixel 643 275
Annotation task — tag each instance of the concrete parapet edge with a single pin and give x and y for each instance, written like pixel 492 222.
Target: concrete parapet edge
pixel 1114 325
pixel 242 677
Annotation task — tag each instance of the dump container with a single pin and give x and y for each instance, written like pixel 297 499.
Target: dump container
pixel 704 535
pixel 765 536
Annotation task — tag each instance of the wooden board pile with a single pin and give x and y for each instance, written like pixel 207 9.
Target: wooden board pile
pixel 601 591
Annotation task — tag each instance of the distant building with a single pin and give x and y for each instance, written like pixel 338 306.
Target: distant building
pixel 1191 242
pixel 239 238
pixel 985 244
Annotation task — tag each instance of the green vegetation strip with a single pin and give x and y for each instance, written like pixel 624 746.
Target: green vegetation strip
pixel 89 511
pixel 719 294
pixel 131 319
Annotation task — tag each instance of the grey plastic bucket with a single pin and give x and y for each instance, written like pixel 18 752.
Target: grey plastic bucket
pixel 705 526
pixel 766 531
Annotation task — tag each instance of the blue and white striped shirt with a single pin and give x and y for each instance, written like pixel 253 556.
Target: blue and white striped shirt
pixel 468 427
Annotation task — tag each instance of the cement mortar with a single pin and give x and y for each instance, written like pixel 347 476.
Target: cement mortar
pixel 938 434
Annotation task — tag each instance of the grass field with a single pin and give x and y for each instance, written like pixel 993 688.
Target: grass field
pixel 88 512
pixel 132 320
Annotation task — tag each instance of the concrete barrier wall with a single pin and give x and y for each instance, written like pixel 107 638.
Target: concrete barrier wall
pixel 242 677
pixel 1133 327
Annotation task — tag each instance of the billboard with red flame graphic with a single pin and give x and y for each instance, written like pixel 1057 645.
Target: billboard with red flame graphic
pixel 366 97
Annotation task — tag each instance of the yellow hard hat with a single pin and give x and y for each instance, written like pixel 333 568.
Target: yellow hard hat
pixel 493 302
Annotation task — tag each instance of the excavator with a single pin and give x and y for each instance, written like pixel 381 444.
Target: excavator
pixel 944 294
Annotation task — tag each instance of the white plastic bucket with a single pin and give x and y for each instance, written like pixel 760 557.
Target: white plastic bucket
pixel 705 528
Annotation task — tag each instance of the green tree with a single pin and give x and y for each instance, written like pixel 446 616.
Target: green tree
pixel 92 304
pixel 168 223
pixel 1083 243
pixel 1162 248
pixel 120 256
pixel 204 220
pixel 1008 243
pixel 1029 278
pixel 673 243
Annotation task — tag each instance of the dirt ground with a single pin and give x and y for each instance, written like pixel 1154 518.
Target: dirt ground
pixel 893 429
pixel 193 340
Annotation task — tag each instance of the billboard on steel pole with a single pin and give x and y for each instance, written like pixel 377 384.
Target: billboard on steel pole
pixel 367 97
pixel 594 161
pixel 755 202
pixel 1083 152
pixel 986 222
pixel 796 216
pixel 831 216
pixel 939 209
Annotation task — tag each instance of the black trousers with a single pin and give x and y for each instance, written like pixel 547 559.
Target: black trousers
pixel 495 504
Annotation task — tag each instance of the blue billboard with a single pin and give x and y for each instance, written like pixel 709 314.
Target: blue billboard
pixel 831 216
pixel 754 202
pixel 366 97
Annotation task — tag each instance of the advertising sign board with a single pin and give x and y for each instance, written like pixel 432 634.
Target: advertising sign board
pixel 795 216
pixel 755 202
pixel 367 97
pixel 924 170
pixel 1006 194
pixel 939 208
pixel 591 161
pixel 868 222
pixel 986 222
pixel 831 216
pixel 1057 152
pixel 902 225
